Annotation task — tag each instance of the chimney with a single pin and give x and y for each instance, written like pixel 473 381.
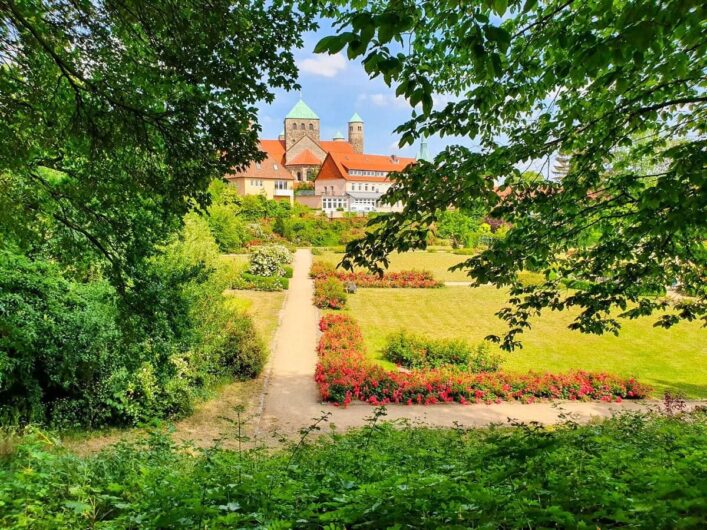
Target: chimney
pixel 394 159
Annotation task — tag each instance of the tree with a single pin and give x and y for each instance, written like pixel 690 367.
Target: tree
pixel 116 116
pixel 527 80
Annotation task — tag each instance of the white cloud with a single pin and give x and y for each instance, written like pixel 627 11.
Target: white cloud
pixel 324 65
pixel 381 99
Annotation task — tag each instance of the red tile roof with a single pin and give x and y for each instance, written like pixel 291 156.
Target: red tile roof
pixel 270 168
pixel 338 165
pixel 273 167
pixel 274 148
pixel 336 147
pixel 305 158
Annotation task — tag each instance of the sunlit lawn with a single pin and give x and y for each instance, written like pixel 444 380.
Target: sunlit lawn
pixel 675 358
pixel 435 262
pixel 263 307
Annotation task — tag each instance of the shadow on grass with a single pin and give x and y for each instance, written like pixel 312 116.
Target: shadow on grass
pixel 690 390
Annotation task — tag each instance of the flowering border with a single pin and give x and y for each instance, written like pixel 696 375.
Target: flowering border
pixel 344 373
pixel 403 279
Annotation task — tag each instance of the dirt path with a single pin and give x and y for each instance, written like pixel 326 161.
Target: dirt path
pixel 291 399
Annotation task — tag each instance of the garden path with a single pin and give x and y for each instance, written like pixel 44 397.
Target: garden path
pixel 291 402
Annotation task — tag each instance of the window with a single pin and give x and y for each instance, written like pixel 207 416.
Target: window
pixel 280 184
pixel 360 128
pixel 311 127
pixel 274 166
pixel 294 126
pixel 301 126
pixel 366 187
pixel 256 182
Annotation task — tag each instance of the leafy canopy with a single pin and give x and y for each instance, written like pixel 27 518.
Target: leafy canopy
pixel 616 86
pixel 116 116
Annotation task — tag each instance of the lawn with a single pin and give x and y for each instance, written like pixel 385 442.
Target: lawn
pixel 436 262
pixel 666 359
pixel 264 307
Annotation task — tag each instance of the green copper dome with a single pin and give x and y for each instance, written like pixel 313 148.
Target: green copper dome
pixel 356 118
pixel 338 136
pixel 301 111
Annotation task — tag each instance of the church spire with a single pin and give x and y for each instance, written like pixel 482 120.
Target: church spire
pixel 424 153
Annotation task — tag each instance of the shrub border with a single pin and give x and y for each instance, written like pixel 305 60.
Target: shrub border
pixel 344 373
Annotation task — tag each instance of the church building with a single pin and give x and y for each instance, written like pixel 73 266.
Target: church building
pixel 345 178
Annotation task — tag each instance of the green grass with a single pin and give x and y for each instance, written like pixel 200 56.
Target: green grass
pixel 675 358
pixel 436 262
pixel 264 307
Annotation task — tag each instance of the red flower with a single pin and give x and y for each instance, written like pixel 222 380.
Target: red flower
pixel 345 373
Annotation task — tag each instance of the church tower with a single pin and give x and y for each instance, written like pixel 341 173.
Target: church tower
pixel 301 121
pixel 424 153
pixel 356 133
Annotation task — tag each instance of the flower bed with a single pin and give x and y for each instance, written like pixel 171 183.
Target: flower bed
pixel 329 294
pixel 411 279
pixel 344 373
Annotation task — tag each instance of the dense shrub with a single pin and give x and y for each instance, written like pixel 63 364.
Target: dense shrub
pixel 412 351
pixel 57 340
pixel 456 226
pixel 345 373
pixel 642 471
pixel 269 260
pixel 229 230
pixel 305 227
pixel 259 208
pixel 329 294
pixel 411 279
pixel 78 354
pixel 243 352
pixel 253 282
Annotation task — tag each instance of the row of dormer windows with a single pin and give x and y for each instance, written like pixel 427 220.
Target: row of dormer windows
pixel 366 173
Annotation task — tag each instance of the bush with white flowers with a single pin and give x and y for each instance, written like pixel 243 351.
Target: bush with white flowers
pixel 269 260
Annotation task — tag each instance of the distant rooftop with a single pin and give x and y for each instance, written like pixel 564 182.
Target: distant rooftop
pixel 338 136
pixel 356 118
pixel 301 111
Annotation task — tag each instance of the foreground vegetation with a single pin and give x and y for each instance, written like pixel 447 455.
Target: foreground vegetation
pixel 663 358
pixel 643 471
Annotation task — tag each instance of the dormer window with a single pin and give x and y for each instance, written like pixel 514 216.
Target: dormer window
pixel 274 166
pixel 257 165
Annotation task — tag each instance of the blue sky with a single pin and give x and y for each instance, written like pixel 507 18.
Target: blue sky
pixel 335 88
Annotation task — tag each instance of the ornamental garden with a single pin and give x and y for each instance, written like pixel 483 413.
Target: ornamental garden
pixel 377 347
